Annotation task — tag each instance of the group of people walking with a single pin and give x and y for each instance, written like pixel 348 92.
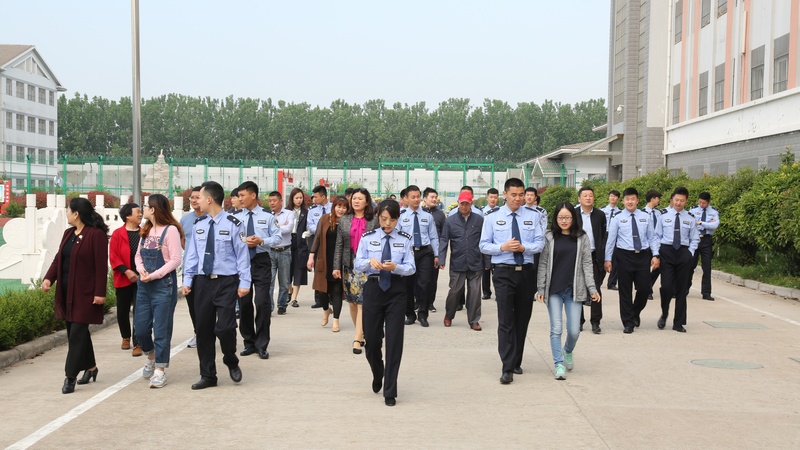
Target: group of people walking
pixel 382 259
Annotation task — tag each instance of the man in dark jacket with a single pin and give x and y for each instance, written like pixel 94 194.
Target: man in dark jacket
pixel 430 198
pixel 595 227
pixel 462 231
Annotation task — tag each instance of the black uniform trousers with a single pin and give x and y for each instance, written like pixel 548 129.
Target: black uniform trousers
pixel 514 291
pixel 487 276
pixel 676 268
pixel 634 271
pixel 192 312
pixel 384 308
pixel 434 286
pixel 614 275
pixel 419 284
pixel 126 298
pixel 705 249
pixel 216 319
pixel 80 351
pixel 596 308
pixel 255 330
pixel 653 278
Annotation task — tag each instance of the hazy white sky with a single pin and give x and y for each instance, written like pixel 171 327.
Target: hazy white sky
pixel 319 51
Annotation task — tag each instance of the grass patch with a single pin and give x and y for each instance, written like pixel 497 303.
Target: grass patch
pixel 771 269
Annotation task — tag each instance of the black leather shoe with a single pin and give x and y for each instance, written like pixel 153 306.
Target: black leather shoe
pixel 377 383
pixel 486 296
pixel 281 311
pixel 236 373
pixel 247 351
pixel 204 383
pixel 662 322
pixel 708 297
pixel 518 370
pixel 88 375
pixel 424 322
pixel 263 354
pixel 432 309
pixel 390 401
pixel 410 320
pixel 507 378
pixel 613 287
pixel 316 305
pixel 460 308
pixel 650 297
pixel 628 330
pixel 679 328
pixel 637 321
pixel 69 386
pixel 596 328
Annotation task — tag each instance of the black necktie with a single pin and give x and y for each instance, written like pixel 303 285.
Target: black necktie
pixel 385 277
pixel 518 258
pixel 251 230
pixel 417 235
pixel 637 243
pixel 653 213
pixel 676 237
pixel 323 210
pixel 703 219
pixel 208 258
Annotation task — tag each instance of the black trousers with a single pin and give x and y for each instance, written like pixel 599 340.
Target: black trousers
pixel 705 250
pixel 486 281
pixel 192 313
pixel 332 297
pixel 614 275
pixel 216 319
pixel 255 329
pixel 80 352
pixel 419 284
pixel 126 299
pixel 595 308
pixel 676 268
pixel 434 286
pixel 384 308
pixel 514 291
pixel 634 270
pixel 653 278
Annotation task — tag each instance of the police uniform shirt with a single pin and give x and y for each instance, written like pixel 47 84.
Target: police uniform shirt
pixel 620 233
pixel 265 226
pixel 542 218
pixel 690 236
pixel 497 230
pixel 586 220
pixel 474 209
pixel 231 256
pixel 654 214
pixel 314 214
pixel 371 246
pixel 609 211
pixel 427 228
pixel 486 209
pixel 712 219
pixel 285 219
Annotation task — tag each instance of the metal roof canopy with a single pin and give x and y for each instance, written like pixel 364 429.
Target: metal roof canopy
pixel 587 150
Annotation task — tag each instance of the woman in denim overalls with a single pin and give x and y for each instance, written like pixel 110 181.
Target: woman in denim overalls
pixel 157 259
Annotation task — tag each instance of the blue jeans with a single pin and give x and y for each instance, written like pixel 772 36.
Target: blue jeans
pixel 556 302
pixel 155 308
pixel 281 267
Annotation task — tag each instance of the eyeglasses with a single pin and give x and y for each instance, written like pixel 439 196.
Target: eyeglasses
pixel 564 219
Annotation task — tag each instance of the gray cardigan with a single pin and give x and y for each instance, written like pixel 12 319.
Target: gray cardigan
pixel 342 256
pixel 584 273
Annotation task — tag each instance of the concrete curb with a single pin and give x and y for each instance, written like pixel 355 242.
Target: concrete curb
pixel 756 286
pixel 42 344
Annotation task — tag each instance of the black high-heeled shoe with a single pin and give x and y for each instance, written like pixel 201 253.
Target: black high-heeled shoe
pixel 89 375
pixel 357 350
pixel 69 386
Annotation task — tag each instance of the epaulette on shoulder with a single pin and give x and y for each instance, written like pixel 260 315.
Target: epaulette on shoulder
pixel 313 206
pixel 540 209
pixel 402 211
pixel 643 210
pixel 490 211
pixel 687 212
pixel 203 217
pixel 368 233
pixel 235 221
pixel 663 211
pixel 404 234
pixel 267 210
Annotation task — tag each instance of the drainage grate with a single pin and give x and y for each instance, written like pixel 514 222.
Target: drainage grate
pixel 726 364
pixel 739 325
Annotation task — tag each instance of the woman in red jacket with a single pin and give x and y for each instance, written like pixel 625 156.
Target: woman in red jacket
pixel 79 270
pixel 121 255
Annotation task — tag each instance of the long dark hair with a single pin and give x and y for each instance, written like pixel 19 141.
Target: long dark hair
pixel 333 220
pixel 162 214
pixel 88 215
pixel 290 200
pixel 369 211
pixel 575 230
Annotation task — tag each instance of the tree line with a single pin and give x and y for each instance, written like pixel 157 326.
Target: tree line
pixel 191 127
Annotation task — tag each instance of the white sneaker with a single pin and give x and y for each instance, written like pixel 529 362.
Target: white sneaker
pixel 158 380
pixel 192 342
pixel 149 368
pixel 561 372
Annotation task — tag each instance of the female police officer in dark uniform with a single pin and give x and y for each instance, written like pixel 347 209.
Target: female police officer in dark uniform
pixel 385 255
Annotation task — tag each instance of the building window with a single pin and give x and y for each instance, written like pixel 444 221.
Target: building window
pixel 678 20
pixel 780 70
pixel 42 96
pixel 31 92
pixel 52 157
pixel 719 87
pixel 52 129
pixel 702 107
pixel 20 154
pixel 9 120
pixel 20 89
pixel 705 16
pixel 20 122
pixel 42 126
pixel 722 7
pixel 9 87
pixel 52 98
pixel 20 183
pixel 757 73
pixel 31 124
pixel 676 103
pixel 42 156
pixel 9 153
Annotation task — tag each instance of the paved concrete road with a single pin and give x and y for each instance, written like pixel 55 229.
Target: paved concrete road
pixel 627 391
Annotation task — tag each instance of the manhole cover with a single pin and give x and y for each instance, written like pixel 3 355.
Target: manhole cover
pixel 726 364
pixel 740 325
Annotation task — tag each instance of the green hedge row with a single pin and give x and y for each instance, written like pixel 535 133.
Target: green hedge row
pixel 758 210
pixel 25 315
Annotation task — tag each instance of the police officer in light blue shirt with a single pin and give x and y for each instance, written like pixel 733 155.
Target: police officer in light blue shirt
pixel 492 198
pixel 187 222
pixel 678 236
pixel 320 207
pixel 631 237
pixel 419 224
pixel 653 198
pixel 707 222
pixel 218 269
pixel 512 236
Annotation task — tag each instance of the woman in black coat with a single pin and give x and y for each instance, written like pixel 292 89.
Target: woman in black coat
pixel 298 273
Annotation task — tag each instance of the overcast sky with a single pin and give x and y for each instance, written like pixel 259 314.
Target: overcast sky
pixel 319 51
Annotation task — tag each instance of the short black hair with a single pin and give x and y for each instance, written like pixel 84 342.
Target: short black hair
pixel 429 190
pixel 630 191
pixel 575 230
pixel 402 193
pixel 392 196
pixel 390 206
pixel 651 194
pixel 492 191
pixel 276 194
pixel 127 210
pixel 320 190
pixel 585 188
pixel 197 188
pixel 235 192
pixel 215 191
pixel 248 186
pixel 412 188
pixel 466 188
pixel 680 190
pixel 348 192
pixel 704 196
pixel 614 192
pixel 513 182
